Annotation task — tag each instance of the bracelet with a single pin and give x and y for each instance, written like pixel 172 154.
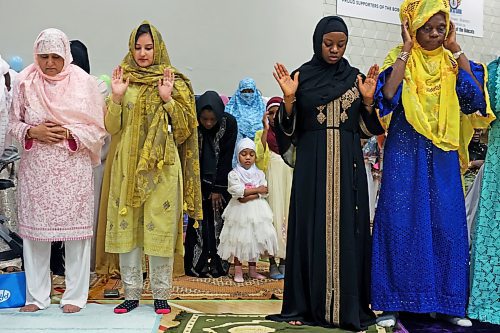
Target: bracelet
pixel 288 101
pixel 28 134
pixel 404 56
pixel 457 54
pixel 67 133
pixel 368 105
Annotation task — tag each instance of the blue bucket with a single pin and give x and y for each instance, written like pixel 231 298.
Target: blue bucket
pixel 12 290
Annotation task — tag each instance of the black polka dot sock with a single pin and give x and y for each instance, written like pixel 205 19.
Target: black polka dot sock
pixel 161 306
pixel 126 306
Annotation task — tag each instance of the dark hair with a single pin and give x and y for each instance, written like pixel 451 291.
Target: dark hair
pixel 143 29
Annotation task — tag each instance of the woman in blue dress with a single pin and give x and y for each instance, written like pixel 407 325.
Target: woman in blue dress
pixel 425 93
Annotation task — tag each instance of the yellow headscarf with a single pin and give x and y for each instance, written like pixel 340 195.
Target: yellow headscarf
pixel 429 96
pixel 151 147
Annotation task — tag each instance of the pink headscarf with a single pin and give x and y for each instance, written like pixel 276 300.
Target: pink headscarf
pixel 225 99
pixel 70 98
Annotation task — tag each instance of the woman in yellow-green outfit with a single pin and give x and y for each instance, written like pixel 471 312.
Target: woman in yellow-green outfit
pixel 155 170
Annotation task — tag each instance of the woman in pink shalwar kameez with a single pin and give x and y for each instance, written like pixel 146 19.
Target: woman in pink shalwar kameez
pixel 58 117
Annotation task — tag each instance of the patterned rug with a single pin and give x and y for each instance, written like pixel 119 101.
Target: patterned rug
pixel 191 288
pixel 191 323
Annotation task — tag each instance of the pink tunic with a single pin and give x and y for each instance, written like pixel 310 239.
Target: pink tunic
pixel 55 186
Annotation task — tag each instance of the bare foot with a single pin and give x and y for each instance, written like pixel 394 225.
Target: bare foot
pixel 295 323
pixel 68 308
pixel 29 308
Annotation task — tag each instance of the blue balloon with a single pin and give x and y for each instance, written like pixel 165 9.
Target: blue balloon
pixel 16 63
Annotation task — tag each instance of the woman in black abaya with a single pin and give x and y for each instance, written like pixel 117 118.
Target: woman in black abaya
pixel 327 108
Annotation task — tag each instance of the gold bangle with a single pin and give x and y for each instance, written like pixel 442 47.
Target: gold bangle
pixel 28 134
pixel 404 56
pixel 67 133
pixel 287 100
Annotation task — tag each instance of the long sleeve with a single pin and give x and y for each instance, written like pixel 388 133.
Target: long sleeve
pixel 384 105
pixel 226 145
pixel 470 96
pixel 113 118
pixel 17 126
pixel 178 111
pixel 262 154
pixel 235 187
pixel 369 123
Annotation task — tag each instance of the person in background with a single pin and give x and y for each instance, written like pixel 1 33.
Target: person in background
pixel 155 171
pixel 217 133
pixel 477 154
pixel 279 179
pixel 58 117
pixel 248 107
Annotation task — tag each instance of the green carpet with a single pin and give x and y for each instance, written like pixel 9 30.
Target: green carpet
pixel 230 323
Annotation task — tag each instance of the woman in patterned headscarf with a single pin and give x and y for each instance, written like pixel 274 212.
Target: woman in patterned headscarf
pixel 485 261
pixel 155 171
pixel 58 117
pixel 428 95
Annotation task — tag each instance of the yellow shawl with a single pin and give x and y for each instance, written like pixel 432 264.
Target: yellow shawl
pixel 429 86
pixel 151 147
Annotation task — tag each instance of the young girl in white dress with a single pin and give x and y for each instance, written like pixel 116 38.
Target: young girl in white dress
pixel 248 230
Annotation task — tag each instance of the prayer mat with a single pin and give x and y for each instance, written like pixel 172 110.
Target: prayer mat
pixel 192 288
pixel 96 318
pixel 229 323
pixel 420 323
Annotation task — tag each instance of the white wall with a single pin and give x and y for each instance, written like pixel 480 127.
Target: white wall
pixel 369 42
pixel 215 43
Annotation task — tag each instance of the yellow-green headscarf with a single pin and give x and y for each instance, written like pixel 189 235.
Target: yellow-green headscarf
pixel 151 147
pixel 429 96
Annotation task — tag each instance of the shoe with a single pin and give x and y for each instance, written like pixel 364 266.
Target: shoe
pixel 252 272
pixel 387 319
pixel 126 306
pixel 238 274
pixel 161 306
pixel 459 321
pixel 282 270
pixel 275 273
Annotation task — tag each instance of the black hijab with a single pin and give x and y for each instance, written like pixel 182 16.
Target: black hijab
pixel 320 81
pixel 210 100
pixel 80 55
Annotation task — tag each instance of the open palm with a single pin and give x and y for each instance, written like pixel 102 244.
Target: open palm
pixel 367 88
pixel 287 84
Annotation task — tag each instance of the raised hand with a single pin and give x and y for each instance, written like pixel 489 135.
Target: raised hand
pixel 367 88
pixel 405 35
pixel 118 85
pixel 265 121
pixel 450 43
pixel 287 84
pixel 166 85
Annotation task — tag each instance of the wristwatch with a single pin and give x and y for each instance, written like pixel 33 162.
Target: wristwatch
pixel 457 54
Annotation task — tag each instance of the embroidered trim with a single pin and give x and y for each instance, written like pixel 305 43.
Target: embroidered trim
pixel 321 116
pixel 329 213
pixel 363 127
pixel 336 216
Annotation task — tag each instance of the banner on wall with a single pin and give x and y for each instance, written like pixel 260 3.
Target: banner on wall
pixel 466 14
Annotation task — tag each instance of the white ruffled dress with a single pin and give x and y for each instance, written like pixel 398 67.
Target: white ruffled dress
pixel 248 230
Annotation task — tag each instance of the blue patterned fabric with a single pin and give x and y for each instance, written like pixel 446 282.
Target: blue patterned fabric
pixel 484 303
pixel 247 109
pixel 420 242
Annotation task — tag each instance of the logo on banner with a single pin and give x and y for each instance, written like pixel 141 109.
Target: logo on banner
pixel 454 4
pixel 4 295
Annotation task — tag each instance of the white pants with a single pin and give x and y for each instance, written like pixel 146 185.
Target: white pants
pixel 160 275
pixel 37 269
